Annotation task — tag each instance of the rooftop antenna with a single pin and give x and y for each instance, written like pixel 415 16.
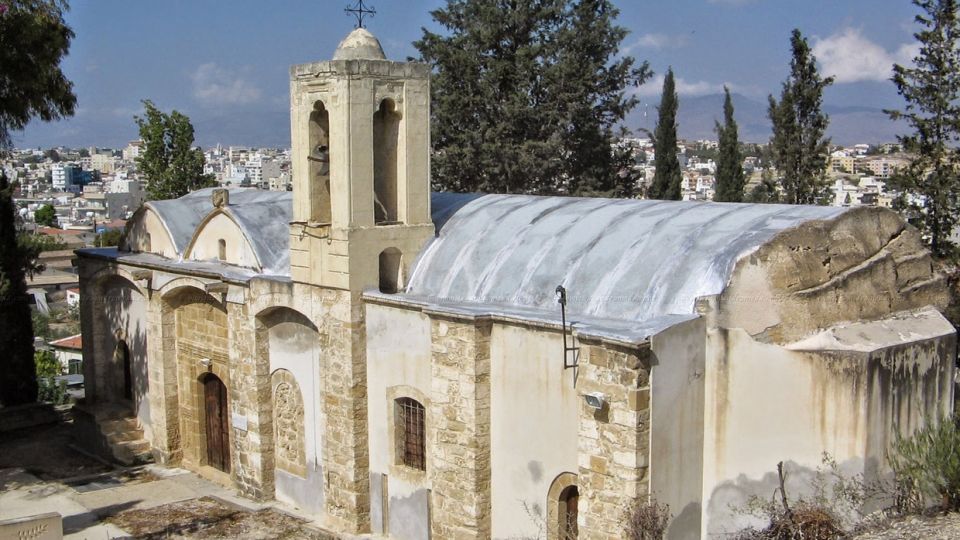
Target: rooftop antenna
pixel 567 349
pixel 359 10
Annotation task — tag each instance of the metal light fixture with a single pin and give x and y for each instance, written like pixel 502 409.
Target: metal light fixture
pixel 595 400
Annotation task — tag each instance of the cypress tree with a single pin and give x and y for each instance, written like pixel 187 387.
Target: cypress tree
pixel 931 89
pixel 667 177
pixel 730 177
pixel 799 147
pixel 18 380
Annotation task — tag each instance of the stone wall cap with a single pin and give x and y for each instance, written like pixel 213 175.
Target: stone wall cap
pixel 896 329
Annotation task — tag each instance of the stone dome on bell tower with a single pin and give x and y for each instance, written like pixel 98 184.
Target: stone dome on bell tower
pixel 360 44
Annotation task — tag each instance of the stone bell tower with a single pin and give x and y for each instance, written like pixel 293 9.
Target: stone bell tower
pixel 361 214
pixel 361 167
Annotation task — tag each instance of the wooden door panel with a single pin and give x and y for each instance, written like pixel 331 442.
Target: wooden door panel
pixel 217 426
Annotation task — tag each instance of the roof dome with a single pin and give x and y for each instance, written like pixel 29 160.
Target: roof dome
pixel 359 45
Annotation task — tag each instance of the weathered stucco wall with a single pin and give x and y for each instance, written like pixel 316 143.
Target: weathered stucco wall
pixel 206 244
pixel 533 426
pixel 116 310
pixel 676 424
pixel 294 347
pixel 766 403
pixel 398 365
pixel 146 233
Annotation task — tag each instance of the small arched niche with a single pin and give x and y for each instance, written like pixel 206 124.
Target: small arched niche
pixel 222 249
pixel 319 164
pixel 391 271
pixel 386 139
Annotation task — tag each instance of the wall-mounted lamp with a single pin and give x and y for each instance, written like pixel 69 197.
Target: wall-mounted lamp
pixel 595 400
pixel 206 363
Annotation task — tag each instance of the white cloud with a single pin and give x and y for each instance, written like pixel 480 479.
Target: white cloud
pixel 214 84
pixel 656 41
pixel 851 57
pixel 654 87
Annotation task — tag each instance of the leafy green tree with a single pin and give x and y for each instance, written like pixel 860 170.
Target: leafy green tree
pixel 84 153
pixel 667 177
pixel 730 177
pixel 800 149
pixel 108 238
pixel 53 155
pixel 46 215
pixel 169 163
pixel 33 40
pixel 18 382
pixel 526 96
pixel 930 185
pixel 766 191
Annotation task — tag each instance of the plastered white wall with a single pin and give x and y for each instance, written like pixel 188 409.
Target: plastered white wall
pixel 398 354
pixel 533 426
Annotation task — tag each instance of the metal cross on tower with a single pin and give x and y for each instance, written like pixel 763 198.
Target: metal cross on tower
pixel 359 11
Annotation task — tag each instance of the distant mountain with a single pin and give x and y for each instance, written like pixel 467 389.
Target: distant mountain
pixel 697 114
pixel 267 128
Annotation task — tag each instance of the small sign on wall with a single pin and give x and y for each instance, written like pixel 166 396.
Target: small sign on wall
pixel 239 421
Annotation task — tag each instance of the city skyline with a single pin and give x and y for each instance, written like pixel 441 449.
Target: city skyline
pixel 227 68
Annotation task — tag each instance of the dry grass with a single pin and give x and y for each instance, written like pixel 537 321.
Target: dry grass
pixel 209 518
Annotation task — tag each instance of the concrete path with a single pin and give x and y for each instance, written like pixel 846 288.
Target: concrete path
pixel 85 505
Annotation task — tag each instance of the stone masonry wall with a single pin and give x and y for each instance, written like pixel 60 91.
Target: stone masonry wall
pixel 346 452
pixel 614 442
pixel 252 436
pixel 459 440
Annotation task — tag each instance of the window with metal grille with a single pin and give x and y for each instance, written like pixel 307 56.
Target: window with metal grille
pixel 410 433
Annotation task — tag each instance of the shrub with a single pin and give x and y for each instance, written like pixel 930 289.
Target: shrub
pixel 647 520
pixel 928 462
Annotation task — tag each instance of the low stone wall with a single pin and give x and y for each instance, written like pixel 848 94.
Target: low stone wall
pixel 29 415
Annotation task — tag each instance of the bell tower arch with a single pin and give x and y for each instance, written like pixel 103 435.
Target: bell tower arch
pixel 361 164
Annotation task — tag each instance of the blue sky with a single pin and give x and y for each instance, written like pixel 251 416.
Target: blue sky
pixel 225 64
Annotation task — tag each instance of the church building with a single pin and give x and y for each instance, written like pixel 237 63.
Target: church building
pixel 418 365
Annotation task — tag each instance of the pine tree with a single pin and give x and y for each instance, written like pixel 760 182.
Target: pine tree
pixel 667 178
pixel 730 177
pixel 526 95
pixel 33 40
pixel 18 381
pixel 930 185
pixel 169 163
pixel 799 146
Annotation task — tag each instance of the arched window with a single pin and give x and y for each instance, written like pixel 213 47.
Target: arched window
pixel 391 279
pixel 410 433
pixel 222 249
pixel 386 133
pixel 319 164
pixel 147 244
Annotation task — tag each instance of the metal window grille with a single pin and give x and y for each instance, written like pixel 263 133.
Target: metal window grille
pixel 410 431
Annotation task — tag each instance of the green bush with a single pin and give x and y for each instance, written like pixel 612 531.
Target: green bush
pixel 929 462
pixel 52 391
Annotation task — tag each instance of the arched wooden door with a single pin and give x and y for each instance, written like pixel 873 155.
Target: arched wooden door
pixel 217 423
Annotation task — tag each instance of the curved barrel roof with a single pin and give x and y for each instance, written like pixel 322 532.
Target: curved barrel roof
pixel 262 216
pixel 618 259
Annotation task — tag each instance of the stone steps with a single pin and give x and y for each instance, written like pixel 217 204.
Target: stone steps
pixel 124 437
